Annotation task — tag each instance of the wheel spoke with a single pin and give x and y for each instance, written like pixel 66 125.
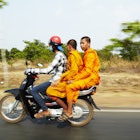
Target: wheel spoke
pixel 11 110
pixel 82 113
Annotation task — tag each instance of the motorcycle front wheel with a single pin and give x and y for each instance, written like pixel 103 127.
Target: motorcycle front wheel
pixel 82 113
pixel 11 110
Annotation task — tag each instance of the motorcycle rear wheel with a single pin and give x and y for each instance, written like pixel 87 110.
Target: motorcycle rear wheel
pixel 11 110
pixel 82 113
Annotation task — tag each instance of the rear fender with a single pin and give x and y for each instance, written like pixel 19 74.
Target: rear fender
pixel 89 99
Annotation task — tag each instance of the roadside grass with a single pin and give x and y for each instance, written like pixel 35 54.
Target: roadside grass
pixel 116 72
pixel 117 65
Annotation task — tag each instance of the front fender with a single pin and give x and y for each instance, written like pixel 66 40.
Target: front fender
pixel 14 91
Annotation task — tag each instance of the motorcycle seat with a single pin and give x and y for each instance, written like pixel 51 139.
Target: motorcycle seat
pixel 87 91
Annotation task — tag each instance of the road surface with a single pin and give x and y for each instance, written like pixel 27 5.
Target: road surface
pixel 108 124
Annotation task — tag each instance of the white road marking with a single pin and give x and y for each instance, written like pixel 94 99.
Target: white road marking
pixel 117 110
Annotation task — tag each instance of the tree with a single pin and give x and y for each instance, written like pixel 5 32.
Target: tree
pixel 2 3
pixel 130 50
pixel 105 53
pixel 132 29
pixel 131 44
pixel 15 54
pixel 37 51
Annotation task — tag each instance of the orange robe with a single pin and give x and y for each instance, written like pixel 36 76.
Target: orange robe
pixel 88 77
pixel 75 65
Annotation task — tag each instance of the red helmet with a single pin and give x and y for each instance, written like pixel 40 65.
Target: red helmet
pixel 55 40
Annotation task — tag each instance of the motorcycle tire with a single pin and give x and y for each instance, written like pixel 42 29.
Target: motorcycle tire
pixel 82 113
pixel 11 110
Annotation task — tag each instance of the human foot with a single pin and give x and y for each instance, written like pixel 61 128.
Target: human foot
pixel 42 114
pixel 64 117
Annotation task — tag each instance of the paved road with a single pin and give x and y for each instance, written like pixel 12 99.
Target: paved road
pixel 106 125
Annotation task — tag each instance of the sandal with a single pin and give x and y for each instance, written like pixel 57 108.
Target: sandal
pixel 64 117
pixel 42 114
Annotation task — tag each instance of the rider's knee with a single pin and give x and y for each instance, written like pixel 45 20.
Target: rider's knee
pixel 53 98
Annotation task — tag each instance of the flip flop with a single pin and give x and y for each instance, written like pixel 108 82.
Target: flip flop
pixel 42 115
pixel 64 117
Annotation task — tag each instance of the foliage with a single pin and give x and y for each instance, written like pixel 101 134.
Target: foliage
pixel 2 3
pixel 65 49
pixel 37 50
pixel 105 53
pixel 132 29
pixel 130 45
pixel 131 50
pixel 15 54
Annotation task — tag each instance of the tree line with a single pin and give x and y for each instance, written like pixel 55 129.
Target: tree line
pixel 128 48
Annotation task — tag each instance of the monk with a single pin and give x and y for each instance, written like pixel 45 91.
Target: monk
pixel 86 78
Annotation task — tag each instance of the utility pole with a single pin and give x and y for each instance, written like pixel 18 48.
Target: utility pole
pixel 5 68
pixel 3 54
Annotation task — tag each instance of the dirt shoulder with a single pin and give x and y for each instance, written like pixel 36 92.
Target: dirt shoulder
pixel 115 89
pixel 118 90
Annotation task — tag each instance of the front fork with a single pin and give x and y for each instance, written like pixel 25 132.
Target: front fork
pixel 14 106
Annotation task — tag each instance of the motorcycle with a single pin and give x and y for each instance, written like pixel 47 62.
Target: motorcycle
pixel 19 103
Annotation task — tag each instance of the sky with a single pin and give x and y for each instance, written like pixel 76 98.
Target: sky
pixel 70 19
